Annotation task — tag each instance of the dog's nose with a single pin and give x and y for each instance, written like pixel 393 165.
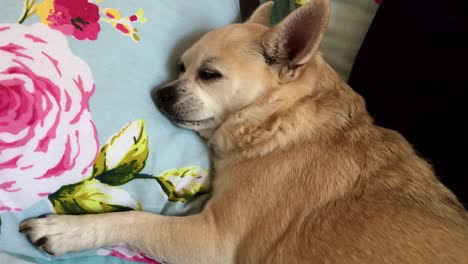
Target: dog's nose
pixel 166 95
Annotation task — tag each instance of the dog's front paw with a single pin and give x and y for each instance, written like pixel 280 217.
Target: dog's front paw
pixel 54 234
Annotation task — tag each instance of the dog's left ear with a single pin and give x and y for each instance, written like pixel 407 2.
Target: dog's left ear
pixel 292 43
pixel 262 15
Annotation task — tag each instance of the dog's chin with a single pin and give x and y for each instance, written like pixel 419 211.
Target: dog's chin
pixel 195 125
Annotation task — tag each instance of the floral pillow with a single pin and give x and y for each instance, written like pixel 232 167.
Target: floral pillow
pixel 79 132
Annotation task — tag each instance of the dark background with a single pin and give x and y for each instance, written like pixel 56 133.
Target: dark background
pixel 412 69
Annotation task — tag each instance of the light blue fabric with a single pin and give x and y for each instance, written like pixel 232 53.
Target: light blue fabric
pixel 125 73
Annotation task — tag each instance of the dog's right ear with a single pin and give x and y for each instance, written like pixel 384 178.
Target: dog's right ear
pixel 262 15
pixel 291 44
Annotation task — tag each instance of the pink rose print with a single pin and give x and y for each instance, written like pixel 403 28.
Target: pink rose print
pixel 127 254
pixel 78 17
pixel 47 136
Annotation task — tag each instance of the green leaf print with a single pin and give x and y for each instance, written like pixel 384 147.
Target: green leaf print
pixel 91 196
pixel 185 183
pixel 120 161
pixel 124 154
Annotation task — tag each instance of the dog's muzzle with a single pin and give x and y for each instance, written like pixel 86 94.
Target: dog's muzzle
pixel 165 99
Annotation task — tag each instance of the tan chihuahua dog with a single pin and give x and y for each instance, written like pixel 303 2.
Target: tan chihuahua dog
pixel 302 174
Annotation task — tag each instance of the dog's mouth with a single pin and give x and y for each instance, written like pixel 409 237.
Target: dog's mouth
pixel 192 122
pixel 187 123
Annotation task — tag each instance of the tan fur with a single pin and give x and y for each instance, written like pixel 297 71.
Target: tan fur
pixel 302 175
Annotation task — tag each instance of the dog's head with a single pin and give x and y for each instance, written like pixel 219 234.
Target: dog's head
pixel 230 68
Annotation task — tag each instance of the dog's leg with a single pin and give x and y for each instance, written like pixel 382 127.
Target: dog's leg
pixel 190 239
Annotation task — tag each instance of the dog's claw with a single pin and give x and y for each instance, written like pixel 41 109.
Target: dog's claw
pixel 48 252
pixel 24 228
pixel 43 216
pixel 41 241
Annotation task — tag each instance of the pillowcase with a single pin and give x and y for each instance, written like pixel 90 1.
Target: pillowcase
pixel 79 132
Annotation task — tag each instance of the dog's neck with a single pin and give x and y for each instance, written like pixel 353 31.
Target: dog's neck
pixel 316 105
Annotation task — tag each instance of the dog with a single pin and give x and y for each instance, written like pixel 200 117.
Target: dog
pixel 302 173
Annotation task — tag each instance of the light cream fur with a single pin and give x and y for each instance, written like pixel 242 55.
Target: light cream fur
pixel 302 174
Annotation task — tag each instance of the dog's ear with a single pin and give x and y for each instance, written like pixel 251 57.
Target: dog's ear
pixel 292 43
pixel 262 15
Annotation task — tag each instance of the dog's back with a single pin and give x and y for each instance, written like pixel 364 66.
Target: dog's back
pixel 329 186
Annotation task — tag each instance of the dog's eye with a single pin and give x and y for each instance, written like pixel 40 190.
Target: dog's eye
pixel 181 67
pixel 208 75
